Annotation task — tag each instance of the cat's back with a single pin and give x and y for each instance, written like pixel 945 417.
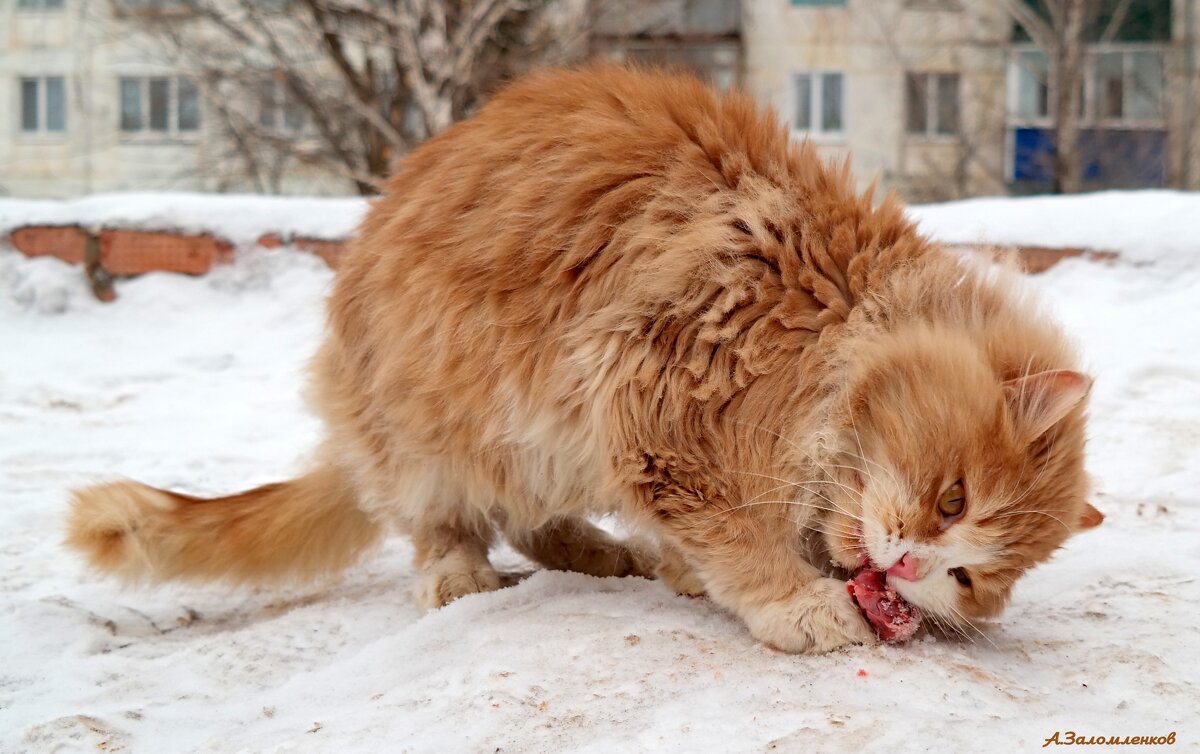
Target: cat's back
pixel 580 204
pixel 539 181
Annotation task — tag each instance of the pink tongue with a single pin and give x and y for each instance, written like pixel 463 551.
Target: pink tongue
pixel 892 618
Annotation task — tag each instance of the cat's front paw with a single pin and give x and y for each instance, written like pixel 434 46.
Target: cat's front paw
pixel 822 617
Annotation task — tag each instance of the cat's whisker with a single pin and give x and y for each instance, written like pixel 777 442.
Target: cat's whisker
pixel 768 491
pixel 1006 581
pixel 835 509
pixel 802 485
pixel 1013 502
pixel 889 472
pixel 862 454
pixel 951 627
pixel 822 465
pixel 1041 472
pixel 1033 513
pixel 731 509
pixel 808 481
pixel 977 630
pixel 811 527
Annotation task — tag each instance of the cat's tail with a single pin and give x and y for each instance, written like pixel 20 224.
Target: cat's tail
pixel 296 529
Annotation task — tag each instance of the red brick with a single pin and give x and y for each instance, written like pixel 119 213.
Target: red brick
pixel 129 252
pixel 1037 259
pixel 67 243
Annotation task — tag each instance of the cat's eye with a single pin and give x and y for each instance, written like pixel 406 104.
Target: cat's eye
pixel 960 575
pixel 953 500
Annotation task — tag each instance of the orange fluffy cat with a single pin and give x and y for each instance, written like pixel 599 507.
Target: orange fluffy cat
pixel 618 291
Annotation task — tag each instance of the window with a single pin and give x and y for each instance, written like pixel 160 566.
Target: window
pixel 1128 86
pixel 1033 85
pixel 931 103
pixel 189 106
pixel 1120 86
pixel 40 4
pixel 818 106
pixel 43 105
pixel 159 105
pixel 279 109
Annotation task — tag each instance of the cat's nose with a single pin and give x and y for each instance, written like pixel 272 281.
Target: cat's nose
pixel 905 568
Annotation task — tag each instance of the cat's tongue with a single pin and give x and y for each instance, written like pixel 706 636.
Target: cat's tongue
pixel 892 618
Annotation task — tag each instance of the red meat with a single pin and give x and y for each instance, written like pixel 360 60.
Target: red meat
pixel 892 618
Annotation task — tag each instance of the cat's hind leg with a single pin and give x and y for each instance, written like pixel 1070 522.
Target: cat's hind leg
pixel 571 543
pixel 452 561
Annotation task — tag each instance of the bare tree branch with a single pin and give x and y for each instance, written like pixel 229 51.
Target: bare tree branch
pixel 371 77
pixel 1038 29
pixel 1115 22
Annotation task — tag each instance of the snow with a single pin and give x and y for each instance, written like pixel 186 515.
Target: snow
pixel 1143 226
pixel 194 383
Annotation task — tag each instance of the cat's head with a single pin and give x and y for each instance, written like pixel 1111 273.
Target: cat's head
pixel 955 478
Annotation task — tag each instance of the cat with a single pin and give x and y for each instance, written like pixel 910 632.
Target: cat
pixel 614 290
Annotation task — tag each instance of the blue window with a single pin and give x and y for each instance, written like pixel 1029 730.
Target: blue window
pixel 1127 157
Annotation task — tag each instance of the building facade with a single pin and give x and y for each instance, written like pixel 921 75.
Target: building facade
pixel 937 98
pixel 91 104
pixel 948 98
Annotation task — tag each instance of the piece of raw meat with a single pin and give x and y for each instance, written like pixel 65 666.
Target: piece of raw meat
pixel 894 619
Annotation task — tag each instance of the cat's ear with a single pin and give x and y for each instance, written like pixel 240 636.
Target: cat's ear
pixel 1090 518
pixel 1039 401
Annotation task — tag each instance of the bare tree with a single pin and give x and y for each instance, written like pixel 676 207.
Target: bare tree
pixel 345 86
pixel 1059 28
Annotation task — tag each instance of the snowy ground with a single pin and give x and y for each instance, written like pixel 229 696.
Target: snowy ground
pixel 194 384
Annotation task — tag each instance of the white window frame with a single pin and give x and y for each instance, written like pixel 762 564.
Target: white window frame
pixel 816 78
pixel 145 132
pixel 1091 97
pixel 1013 83
pixel 931 133
pixel 43 104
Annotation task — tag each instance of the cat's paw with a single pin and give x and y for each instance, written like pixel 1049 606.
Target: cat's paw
pixel 676 573
pixel 822 617
pixel 437 589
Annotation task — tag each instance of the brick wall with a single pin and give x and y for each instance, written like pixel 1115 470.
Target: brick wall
pixel 133 252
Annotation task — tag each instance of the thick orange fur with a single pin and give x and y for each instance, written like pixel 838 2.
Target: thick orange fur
pixel 616 291
pixel 302 528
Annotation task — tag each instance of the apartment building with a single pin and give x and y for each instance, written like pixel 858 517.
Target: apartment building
pixel 947 98
pixel 938 98
pixel 91 103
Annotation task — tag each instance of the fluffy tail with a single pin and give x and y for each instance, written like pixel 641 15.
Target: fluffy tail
pixel 296 529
